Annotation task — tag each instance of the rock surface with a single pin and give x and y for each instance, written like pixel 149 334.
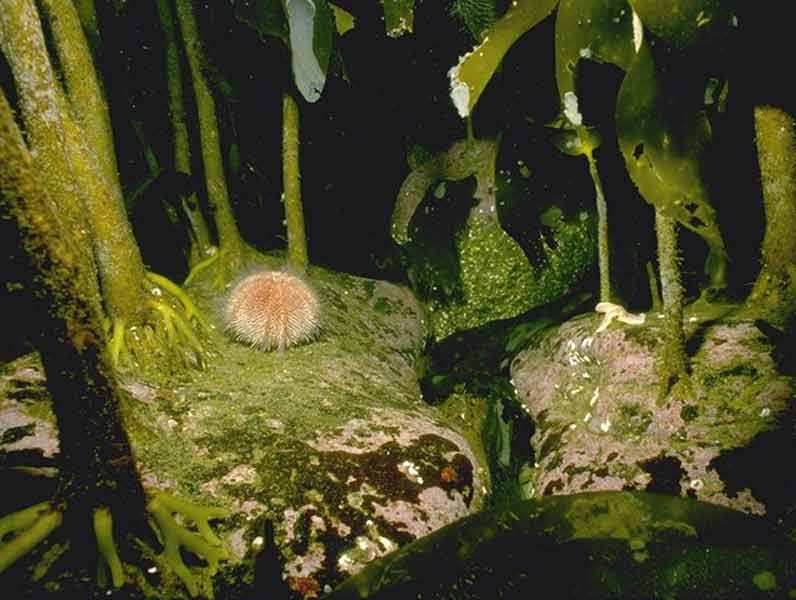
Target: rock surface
pixel 600 426
pixel 330 441
pixel 609 545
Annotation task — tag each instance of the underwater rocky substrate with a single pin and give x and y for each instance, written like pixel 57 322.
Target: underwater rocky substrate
pixel 327 455
pixel 597 545
pixel 330 442
pixel 602 425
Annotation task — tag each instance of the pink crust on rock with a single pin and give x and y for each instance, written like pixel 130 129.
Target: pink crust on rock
pixel 272 310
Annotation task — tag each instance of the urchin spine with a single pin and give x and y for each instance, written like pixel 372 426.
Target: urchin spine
pixel 272 310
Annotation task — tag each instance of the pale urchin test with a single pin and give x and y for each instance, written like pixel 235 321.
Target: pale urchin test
pixel 272 310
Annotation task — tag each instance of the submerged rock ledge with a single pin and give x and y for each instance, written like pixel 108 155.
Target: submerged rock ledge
pixel 330 441
pixel 600 425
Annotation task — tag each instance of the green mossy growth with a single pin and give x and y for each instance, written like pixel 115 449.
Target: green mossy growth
pixel 291 183
pixel 773 296
pixel 494 278
pixel 69 132
pixel 671 357
pixel 497 280
pixel 632 422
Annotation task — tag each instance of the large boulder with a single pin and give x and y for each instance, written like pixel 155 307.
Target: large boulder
pixel 598 546
pixel 601 423
pixel 329 441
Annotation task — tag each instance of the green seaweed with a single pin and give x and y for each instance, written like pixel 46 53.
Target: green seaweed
pixel 470 76
pixel 174 536
pixel 687 24
pixel 398 17
pixel 477 15
pixel 664 141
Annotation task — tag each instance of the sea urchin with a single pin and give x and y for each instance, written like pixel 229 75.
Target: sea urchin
pixel 272 310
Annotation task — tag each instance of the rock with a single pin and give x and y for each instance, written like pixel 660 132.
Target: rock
pixel 24 430
pixel 599 427
pixel 597 545
pixel 330 440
